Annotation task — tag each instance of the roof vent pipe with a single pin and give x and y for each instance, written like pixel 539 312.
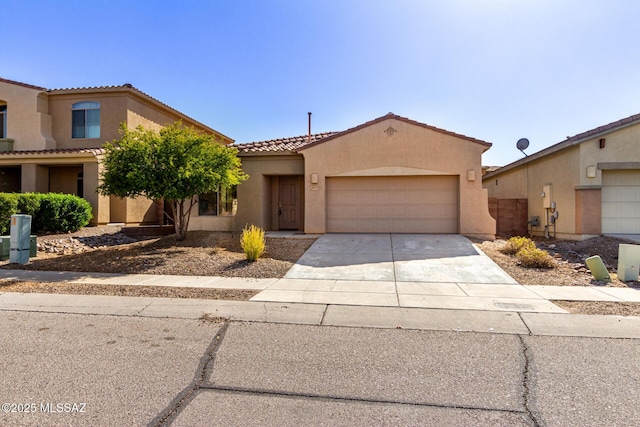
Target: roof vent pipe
pixel 309 134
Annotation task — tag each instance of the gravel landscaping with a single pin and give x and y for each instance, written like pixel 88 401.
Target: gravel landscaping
pixel 570 270
pixel 203 253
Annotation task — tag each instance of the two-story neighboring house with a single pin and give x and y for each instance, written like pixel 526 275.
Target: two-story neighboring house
pixel 51 141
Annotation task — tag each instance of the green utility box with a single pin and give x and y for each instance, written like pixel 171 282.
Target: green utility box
pixel 5 247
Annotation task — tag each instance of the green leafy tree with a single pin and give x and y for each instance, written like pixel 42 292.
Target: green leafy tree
pixel 176 164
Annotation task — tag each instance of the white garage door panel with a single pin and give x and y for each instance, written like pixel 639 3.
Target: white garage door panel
pixel 621 202
pixel 414 204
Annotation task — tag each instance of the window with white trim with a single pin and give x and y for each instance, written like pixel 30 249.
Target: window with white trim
pixel 223 202
pixel 85 120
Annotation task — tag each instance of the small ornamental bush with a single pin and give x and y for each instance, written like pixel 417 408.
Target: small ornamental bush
pixel 29 203
pixel 534 258
pixel 252 242
pixel 49 211
pixel 8 207
pixel 62 213
pixel 515 244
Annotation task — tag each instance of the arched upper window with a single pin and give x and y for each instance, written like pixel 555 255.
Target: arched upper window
pixel 3 121
pixel 85 120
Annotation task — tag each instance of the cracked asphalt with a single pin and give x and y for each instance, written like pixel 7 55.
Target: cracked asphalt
pixel 183 372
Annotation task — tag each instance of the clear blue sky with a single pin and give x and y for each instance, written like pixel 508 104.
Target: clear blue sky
pixel 496 70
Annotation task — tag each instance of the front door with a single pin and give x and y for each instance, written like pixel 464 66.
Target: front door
pixel 289 208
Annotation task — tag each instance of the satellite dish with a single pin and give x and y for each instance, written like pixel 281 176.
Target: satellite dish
pixel 522 145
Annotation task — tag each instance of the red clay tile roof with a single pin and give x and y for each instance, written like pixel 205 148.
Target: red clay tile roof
pixel 282 144
pixel 403 119
pixel 605 128
pixel 301 142
pixel 13 82
pixel 94 151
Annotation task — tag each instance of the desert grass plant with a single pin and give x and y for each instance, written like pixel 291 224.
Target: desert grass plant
pixel 252 242
pixel 515 244
pixel 534 258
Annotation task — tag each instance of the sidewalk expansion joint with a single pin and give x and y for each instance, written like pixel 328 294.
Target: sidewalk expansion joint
pixel 524 323
pixel 169 414
pixel 327 397
pixel 139 313
pixel 395 279
pixel 526 380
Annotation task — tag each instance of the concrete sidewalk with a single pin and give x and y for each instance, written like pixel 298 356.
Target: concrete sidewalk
pixel 494 322
pixel 461 296
pixel 462 310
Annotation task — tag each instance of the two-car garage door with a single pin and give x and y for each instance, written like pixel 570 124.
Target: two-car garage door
pixel 392 204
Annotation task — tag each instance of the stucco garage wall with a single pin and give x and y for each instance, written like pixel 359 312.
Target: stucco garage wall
pixel 561 171
pixel 621 146
pixel 393 147
pixel 510 185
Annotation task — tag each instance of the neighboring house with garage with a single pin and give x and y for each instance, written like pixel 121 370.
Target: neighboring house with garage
pixel 584 186
pixel 51 141
pixel 389 175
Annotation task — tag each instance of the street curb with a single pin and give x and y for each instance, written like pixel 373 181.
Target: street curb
pixel 537 324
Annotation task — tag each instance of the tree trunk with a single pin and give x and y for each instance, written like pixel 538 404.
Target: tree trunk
pixel 181 229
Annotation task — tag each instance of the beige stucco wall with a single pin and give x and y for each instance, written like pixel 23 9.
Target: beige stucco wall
pixel 113 111
pixel 254 194
pixel 510 185
pixel 115 108
pixel 28 119
pixel 410 150
pixel 560 170
pixel 621 146
pixel 64 179
pixel 99 203
pixel 39 120
pixel 577 196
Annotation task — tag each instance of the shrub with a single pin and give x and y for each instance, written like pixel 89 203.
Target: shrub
pixel 29 203
pixel 62 213
pixel 8 207
pixel 49 212
pixel 252 242
pixel 515 244
pixel 532 257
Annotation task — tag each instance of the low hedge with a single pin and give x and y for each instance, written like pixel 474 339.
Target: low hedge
pixel 49 211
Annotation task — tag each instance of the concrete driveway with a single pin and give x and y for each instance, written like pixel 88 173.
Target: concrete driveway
pixel 402 270
pixel 441 258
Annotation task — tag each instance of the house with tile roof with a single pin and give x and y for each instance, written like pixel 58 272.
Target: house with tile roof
pixel 51 141
pixel 584 186
pixel 388 175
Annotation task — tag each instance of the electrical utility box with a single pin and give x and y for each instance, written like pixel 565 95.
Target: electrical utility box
pixel 628 262
pixel 547 197
pixel 20 239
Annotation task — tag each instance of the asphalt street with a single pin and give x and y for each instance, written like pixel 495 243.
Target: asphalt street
pixel 78 369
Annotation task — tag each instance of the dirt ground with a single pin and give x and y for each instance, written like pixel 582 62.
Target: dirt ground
pixel 570 270
pixel 569 256
pixel 219 254
pixel 203 253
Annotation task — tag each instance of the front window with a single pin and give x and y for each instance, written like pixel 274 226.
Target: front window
pixel 223 202
pixel 3 121
pixel 85 120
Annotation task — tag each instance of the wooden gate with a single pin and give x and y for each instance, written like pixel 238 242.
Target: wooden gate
pixel 511 216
